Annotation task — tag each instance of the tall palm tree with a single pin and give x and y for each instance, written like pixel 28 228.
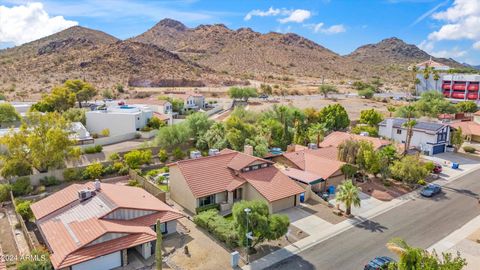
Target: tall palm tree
pixel 426 76
pixel 391 110
pixel 409 125
pixel 316 132
pixel 409 256
pixel 348 194
pixel 436 77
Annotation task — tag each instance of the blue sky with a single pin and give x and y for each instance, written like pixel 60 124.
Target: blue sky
pixel 445 28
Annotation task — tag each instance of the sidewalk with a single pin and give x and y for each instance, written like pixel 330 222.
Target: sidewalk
pixel 321 236
pixel 463 240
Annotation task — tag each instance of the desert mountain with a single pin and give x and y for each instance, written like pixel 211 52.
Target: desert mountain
pixel 105 61
pixel 247 53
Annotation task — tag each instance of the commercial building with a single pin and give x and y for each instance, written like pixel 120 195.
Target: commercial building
pixel 95 226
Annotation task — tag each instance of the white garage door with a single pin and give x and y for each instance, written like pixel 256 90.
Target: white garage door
pixel 106 262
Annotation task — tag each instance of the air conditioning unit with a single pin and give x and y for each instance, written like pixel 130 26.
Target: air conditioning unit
pixel 84 194
pixel 213 152
pixel 312 146
pixel 195 154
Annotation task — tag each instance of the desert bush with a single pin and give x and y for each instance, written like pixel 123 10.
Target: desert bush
pixel 22 186
pixel 221 228
pixel 49 181
pixel 105 132
pixel 93 149
pixel 72 174
pixel 469 149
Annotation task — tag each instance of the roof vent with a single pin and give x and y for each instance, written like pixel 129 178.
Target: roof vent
pixel 84 194
pixel 213 152
pixel 312 146
pixel 195 154
pixel 97 185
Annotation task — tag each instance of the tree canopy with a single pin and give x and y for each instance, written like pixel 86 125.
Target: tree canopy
pixel 8 114
pixel 326 89
pixel 334 117
pixel 468 106
pixel 83 90
pixel 371 117
pixel 243 93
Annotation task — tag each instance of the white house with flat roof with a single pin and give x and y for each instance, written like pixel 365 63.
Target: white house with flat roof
pixel 120 120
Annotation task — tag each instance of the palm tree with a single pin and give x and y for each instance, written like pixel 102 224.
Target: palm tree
pixel 426 76
pixel 348 194
pixel 316 132
pixel 158 247
pixel 409 125
pixel 391 110
pixel 409 256
pixel 325 89
pixel 417 82
pixel 436 77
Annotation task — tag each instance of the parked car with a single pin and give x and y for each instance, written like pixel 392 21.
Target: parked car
pixel 264 96
pixel 431 190
pixel 379 263
pixel 437 168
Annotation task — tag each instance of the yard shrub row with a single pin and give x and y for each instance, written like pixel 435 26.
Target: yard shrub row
pixel 221 228
pixel 93 149
pixel 200 209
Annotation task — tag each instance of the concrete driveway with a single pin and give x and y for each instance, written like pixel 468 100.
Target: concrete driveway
pixel 466 162
pixel 306 221
pixel 367 203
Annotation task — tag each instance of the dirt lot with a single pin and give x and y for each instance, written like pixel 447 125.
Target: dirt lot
pixel 375 188
pixel 322 211
pixel 7 242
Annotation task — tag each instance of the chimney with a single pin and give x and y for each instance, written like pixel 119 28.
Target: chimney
pixel 97 185
pixel 248 149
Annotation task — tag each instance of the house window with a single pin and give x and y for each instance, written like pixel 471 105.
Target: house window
pixel 246 169
pixel 255 167
pixel 163 228
pixel 399 131
pixel 207 200
pixel 264 165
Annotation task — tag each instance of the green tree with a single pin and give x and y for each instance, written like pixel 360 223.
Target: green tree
pixel 366 93
pixel 349 170
pixel 409 170
pixel 371 117
pixel 162 155
pixel 371 130
pixel 8 114
pixel 433 103
pixel 198 124
pixel 326 89
pixel 391 110
pixel 169 137
pixel 334 117
pixel 238 131
pixel 348 194
pixel 367 159
pixel 75 115
pixel 214 138
pixel 59 100
pixel 436 77
pixel 457 138
pixel 83 91
pixel 260 145
pixel 24 210
pixel 348 150
pixel 155 123
pixel 263 225
pixel 412 258
pixel 316 133
pixel 466 106
pixel 243 93
pixel 4 192
pixel 410 124
pixel 311 116
pixel 158 247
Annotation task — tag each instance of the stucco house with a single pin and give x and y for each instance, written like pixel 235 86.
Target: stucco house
pixel 313 169
pixel 191 101
pixel 428 137
pixel 470 129
pixel 120 120
pixel 97 225
pixel 229 176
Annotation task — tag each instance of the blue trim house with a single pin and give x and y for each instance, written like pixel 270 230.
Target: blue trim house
pixel 428 137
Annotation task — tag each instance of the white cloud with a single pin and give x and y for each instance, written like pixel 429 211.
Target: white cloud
pixel 429 12
pixel 453 53
pixel 270 12
pixel 298 16
pixel 426 45
pixel 293 15
pixel 320 28
pixel 476 45
pixel 24 23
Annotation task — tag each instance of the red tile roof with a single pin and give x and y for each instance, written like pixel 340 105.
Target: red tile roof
pixel 272 183
pixel 336 138
pixel 322 162
pixel 300 175
pixel 69 225
pixel 161 116
pixel 210 175
pixel 468 127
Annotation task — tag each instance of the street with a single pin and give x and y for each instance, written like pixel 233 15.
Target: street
pixel 421 222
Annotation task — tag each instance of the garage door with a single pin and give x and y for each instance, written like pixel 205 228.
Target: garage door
pixel 437 149
pixel 283 204
pixel 106 262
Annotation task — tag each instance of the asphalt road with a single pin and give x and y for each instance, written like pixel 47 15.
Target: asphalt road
pixel 421 222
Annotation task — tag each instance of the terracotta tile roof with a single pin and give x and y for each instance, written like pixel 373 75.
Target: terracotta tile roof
pixel 272 183
pixel 322 162
pixel 161 116
pixel 300 175
pixel 210 175
pixel 105 248
pixel 468 127
pixel 336 138
pixel 69 225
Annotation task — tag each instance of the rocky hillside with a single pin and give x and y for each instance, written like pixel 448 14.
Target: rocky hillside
pixel 247 53
pixel 99 58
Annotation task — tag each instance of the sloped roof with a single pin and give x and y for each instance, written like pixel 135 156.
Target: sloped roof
pixel 302 176
pixel 320 162
pixel 425 126
pixel 336 138
pixel 272 183
pixel 468 127
pixel 69 226
pixel 209 175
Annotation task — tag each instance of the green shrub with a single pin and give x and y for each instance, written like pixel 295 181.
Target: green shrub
pixel 133 183
pixel 109 170
pixel 93 149
pixel 136 158
pixel 93 171
pixel 163 155
pixel 366 93
pixel 114 157
pixel 39 259
pixel 221 228
pixel 4 192
pixel 421 182
pixel 72 174
pixel 24 210
pixel 178 153
pixel 22 186
pixel 372 131
pixel 138 135
pixel 207 208
pixel 49 181
pixel 155 123
pixel 153 173
pixel 469 149
pixel 429 166
pixel 105 132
